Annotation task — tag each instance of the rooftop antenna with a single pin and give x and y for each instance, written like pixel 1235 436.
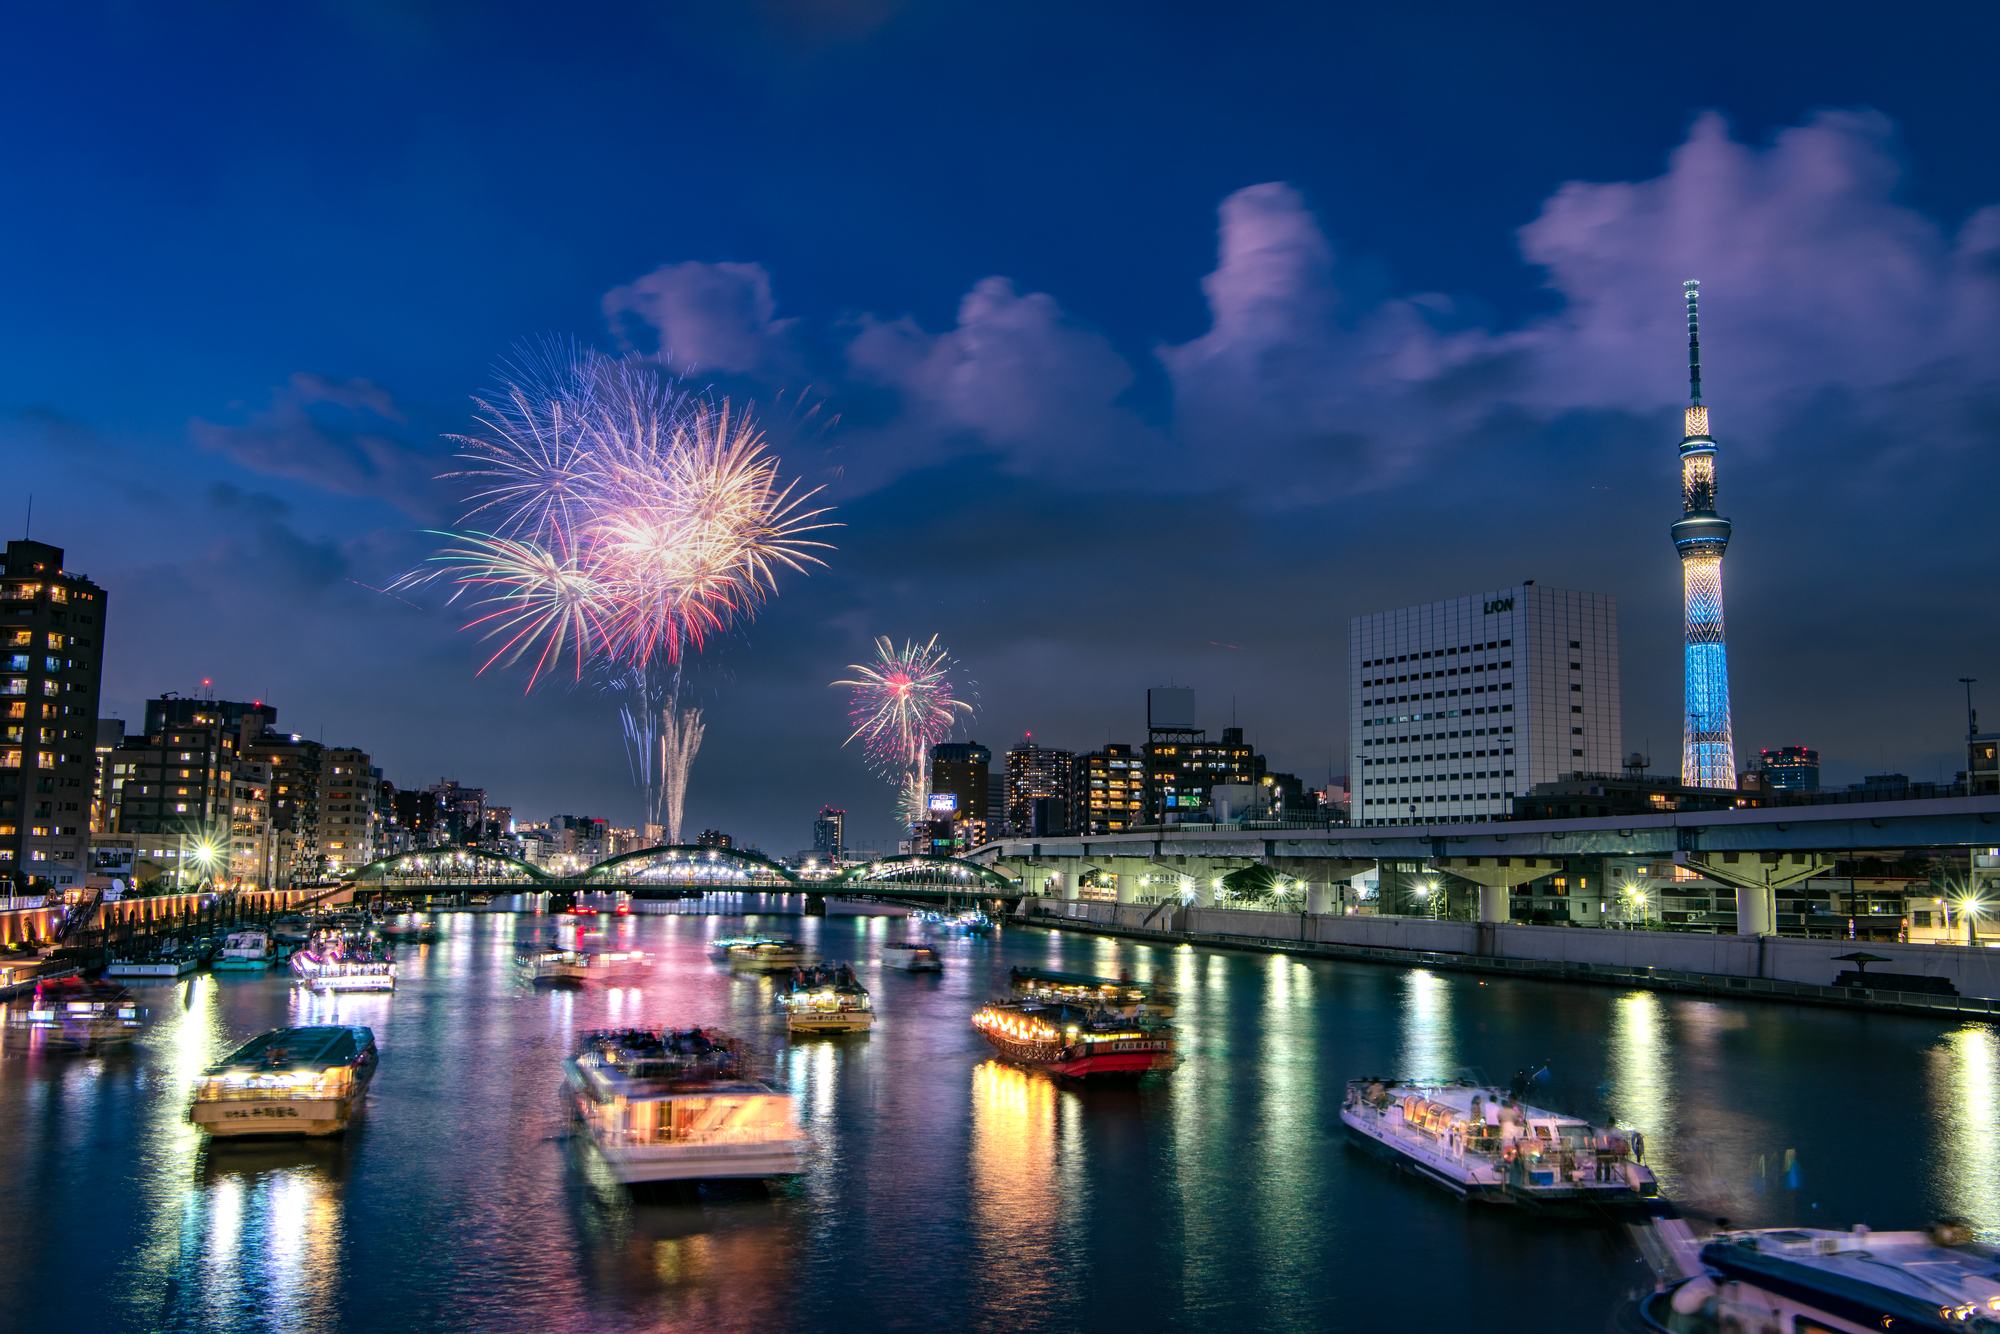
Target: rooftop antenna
pixel 28 530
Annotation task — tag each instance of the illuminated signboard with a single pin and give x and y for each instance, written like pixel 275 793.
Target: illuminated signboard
pixel 944 803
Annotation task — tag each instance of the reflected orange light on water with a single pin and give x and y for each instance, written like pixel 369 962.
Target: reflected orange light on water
pixel 1016 1207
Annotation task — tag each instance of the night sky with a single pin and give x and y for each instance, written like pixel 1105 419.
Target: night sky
pixel 1162 339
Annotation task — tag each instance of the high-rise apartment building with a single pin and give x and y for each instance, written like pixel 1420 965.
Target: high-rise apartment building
pixel 1041 789
pixel 296 766
pixel 1708 752
pixel 346 810
pixel 1113 782
pixel 1791 769
pixel 51 662
pixel 193 794
pixel 1457 706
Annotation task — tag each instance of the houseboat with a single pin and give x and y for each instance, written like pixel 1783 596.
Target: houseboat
pixel 1813 1279
pixel 293 1081
pixel 1075 1040
pixel 826 999
pixel 679 1106
pixel 1482 1143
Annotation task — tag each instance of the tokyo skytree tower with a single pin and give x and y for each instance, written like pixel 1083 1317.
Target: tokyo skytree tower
pixel 1708 756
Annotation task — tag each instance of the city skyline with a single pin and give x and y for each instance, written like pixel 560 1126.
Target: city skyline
pixel 1340 401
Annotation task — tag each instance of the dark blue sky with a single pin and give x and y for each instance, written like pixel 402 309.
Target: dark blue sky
pixel 259 257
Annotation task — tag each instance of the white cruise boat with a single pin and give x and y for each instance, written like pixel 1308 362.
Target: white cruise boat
pixel 1481 1143
pixel 1823 1282
pixel 758 953
pixel 678 1106
pixel 293 1081
pixel 555 966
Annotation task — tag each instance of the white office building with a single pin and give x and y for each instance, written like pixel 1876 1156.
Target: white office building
pixel 1456 707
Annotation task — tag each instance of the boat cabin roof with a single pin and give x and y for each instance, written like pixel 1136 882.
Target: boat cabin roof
pixel 1866 1276
pixel 1071 979
pixel 1459 1098
pixel 287 1047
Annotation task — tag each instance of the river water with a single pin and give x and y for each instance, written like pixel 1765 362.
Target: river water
pixel 945 1190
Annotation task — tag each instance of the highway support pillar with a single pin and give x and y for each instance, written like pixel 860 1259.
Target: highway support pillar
pixel 1497 877
pixel 1756 877
pixel 1322 877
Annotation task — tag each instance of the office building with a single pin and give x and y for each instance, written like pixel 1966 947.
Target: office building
pixel 1791 769
pixel 1456 707
pixel 1182 764
pixel 1708 753
pixel 960 771
pixel 829 839
pixel 1041 790
pixel 51 659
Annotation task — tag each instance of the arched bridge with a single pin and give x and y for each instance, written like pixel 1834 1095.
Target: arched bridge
pixel 681 871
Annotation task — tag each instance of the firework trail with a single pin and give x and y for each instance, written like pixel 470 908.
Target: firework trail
pixel 901 705
pixel 680 738
pixel 615 523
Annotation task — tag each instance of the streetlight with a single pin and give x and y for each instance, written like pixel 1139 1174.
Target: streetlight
pixel 1970 909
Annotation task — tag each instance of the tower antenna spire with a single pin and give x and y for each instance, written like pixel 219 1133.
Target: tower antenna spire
pixel 1692 287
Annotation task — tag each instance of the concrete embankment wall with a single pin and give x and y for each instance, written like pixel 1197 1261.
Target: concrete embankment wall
pixel 1974 972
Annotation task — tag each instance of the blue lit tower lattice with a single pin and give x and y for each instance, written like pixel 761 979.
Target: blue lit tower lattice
pixel 1708 757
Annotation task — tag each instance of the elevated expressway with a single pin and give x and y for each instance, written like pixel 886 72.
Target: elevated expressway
pixel 1755 851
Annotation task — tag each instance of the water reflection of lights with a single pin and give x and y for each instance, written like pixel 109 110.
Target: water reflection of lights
pixel 1428 1050
pixel 1641 1080
pixel 1965 1089
pixel 1016 1210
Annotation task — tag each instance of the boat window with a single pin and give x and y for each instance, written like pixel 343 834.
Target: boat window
pixel 1807 1325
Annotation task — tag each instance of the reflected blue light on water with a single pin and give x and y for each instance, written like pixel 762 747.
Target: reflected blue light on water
pixel 942 1188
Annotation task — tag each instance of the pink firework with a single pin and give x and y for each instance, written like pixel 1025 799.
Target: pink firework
pixel 901 704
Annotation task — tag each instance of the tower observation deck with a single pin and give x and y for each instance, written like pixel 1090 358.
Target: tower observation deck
pixel 1708 755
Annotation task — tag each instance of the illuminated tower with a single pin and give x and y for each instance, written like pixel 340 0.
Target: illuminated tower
pixel 1708 756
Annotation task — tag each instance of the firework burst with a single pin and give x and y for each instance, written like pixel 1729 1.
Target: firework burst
pixel 901 705
pixel 629 521
pixel 616 522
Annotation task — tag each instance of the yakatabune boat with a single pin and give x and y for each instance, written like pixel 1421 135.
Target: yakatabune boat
pixel 1814 1281
pixel 1075 1040
pixel 293 1081
pixel 345 961
pixel 679 1106
pixel 554 966
pixel 826 999
pixel 1481 1143
pixel 1121 994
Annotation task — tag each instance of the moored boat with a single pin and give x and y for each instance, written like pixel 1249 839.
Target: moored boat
pixel 291 1081
pixel 679 1106
pixel 169 961
pixel 913 956
pixel 71 1014
pixel 246 951
pixel 826 999
pixel 1815 1279
pixel 1481 1143
pixel 1120 994
pixel 1074 1040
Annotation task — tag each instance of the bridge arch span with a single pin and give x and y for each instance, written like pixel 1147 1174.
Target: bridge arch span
pixel 381 866
pixel 918 866
pixel 613 869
